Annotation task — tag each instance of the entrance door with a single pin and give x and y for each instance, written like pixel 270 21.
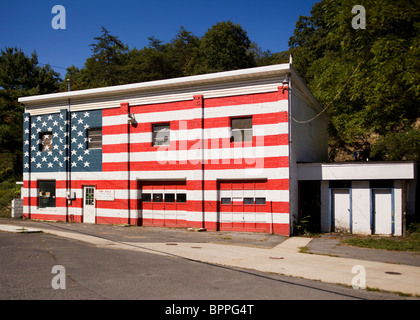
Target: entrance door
pixel 89 210
pixel 382 211
pixel 341 209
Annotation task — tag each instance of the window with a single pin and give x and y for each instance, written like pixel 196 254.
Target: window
pixel 169 197
pixel 157 197
pixel 259 200
pixel 46 141
pixel 248 200
pixel 94 138
pixel 46 192
pixel 161 134
pixel 146 197
pixel 225 201
pixel 241 129
pixel 181 197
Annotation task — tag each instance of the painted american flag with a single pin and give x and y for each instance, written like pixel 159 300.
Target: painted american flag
pixel 60 142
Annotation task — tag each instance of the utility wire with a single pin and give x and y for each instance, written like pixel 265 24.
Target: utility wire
pixel 335 97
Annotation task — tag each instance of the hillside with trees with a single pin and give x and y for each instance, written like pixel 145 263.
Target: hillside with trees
pixel 367 80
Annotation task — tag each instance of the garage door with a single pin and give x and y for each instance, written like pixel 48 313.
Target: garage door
pixel 242 205
pixel 163 203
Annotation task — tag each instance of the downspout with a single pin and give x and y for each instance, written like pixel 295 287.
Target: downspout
pixel 68 173
pixel 289 111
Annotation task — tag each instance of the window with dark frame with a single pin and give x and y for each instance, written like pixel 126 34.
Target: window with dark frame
pixel 46 193
pixel 46 141
pixel 181 197
pixel 94 138
pixel 241 129
pixel 169 197
pixel 161 134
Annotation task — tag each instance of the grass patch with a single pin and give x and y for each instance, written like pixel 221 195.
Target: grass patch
pixel 409 243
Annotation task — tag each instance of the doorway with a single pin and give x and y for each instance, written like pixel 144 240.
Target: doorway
pixel 89 208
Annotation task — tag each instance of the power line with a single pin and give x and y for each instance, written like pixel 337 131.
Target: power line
pixel 335 97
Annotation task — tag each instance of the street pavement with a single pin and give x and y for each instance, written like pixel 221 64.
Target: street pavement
pixel 328 263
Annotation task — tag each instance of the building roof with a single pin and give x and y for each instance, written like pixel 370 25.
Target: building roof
pixel 227 83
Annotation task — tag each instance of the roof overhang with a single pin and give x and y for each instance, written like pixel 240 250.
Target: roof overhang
pixel 357 171
pixel 266 72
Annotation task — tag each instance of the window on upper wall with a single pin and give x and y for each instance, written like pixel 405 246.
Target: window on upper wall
pixel 241 129
pixel 46 193
pixel 94 138
pixel 161 134
pixel 46 141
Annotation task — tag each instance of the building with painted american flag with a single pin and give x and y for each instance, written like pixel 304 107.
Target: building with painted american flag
pixel 216 151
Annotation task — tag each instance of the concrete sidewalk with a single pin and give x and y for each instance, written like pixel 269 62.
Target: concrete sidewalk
pixel 284 258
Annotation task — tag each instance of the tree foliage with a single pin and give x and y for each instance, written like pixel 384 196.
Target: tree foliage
pixel 20 75
pixel 382 61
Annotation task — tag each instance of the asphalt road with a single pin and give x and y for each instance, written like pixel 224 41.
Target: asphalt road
pixel 93 273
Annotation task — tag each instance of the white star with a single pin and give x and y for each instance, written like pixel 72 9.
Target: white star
pixel 60 152
pixel 26 142
pixel 55 135
pixel 50 153
pixel 39 141
pixel 38 165
pixel 38 118
pixel 55 123
pixel 55 147
pixel 26 165
pixel 86 115
pixel 26 119
pixel 80 133
pixel 74 164
pixel 86 126
pixel 33 159
pixel 61 128
pixel 50 165
pixel 33 136
pixel 61 116
pixel 60 164
pixel 44 124
pixel 38 153
pixel 26 154
pixel 79 158
pixel 38 130
pixel 33 148
pixel 49 129
pixel 50 117
pixel 55 159
pixel 73 128
pixel 87 151
pixel 66 134
pixel 86 164
pixel 44 159
pixel 66 159
pixel 80 146
pixel 26 131
pixel 66 122
pixel 66 146
pixel 73 152
pixel 74 115
pixel 80 121
pixel 73 140
pixel 33 125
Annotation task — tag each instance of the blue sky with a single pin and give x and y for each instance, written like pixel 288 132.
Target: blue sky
pixel 26 24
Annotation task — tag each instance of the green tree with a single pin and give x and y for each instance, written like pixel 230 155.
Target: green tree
pixel 20 76
pixel 104 67
pixel 224 47
pixel 368 79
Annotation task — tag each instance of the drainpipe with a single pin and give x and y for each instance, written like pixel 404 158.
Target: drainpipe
pixel 289 111
pixel 68 173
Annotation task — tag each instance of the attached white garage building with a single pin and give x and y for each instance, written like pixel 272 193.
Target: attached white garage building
pixel 361 197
